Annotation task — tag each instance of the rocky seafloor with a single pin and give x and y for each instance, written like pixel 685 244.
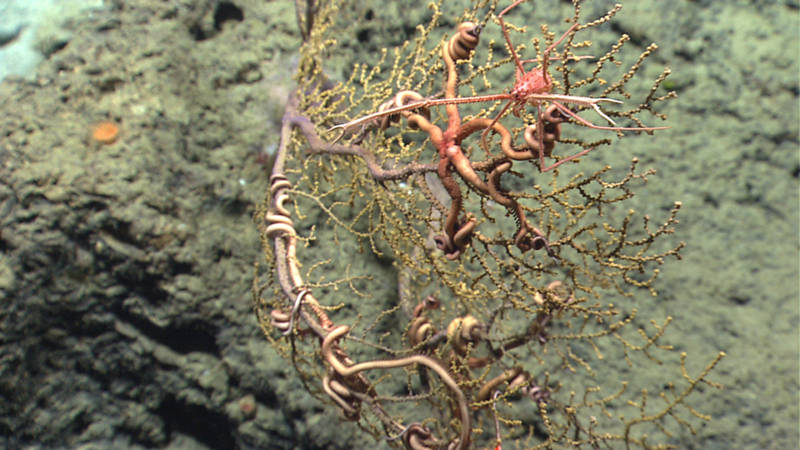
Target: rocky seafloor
pixel 126 269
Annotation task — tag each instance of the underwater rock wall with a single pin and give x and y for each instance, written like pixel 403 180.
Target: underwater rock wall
pixel 126 266
pixel 31 30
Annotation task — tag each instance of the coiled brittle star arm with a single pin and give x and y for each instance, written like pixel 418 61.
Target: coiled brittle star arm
pixel 335 334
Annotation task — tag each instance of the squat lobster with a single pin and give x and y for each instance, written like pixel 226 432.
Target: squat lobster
pixel 533 87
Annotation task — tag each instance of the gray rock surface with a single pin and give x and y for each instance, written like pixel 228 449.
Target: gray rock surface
pixel 125 269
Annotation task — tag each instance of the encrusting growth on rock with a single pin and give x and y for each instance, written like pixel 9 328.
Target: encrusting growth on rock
pixel 105 132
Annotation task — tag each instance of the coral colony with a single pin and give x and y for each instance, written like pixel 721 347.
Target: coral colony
pixel 512 278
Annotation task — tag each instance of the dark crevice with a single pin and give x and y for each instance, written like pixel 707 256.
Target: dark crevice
pixel 120 231
pixel 226 11
pixel 363 35
pixel 197 32
pixel 211 428
pixel 187 337
pixel 121 255
pixel 143 285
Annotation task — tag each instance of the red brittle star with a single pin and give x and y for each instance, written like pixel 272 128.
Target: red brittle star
pixel 533 87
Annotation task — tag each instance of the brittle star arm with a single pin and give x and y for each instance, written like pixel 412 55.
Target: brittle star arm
pixel 318 146
pixel 280 227
pixel 559 99
pixel 340 368
pixel 418 105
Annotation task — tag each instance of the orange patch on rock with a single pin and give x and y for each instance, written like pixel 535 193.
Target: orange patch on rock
pixel 105 132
